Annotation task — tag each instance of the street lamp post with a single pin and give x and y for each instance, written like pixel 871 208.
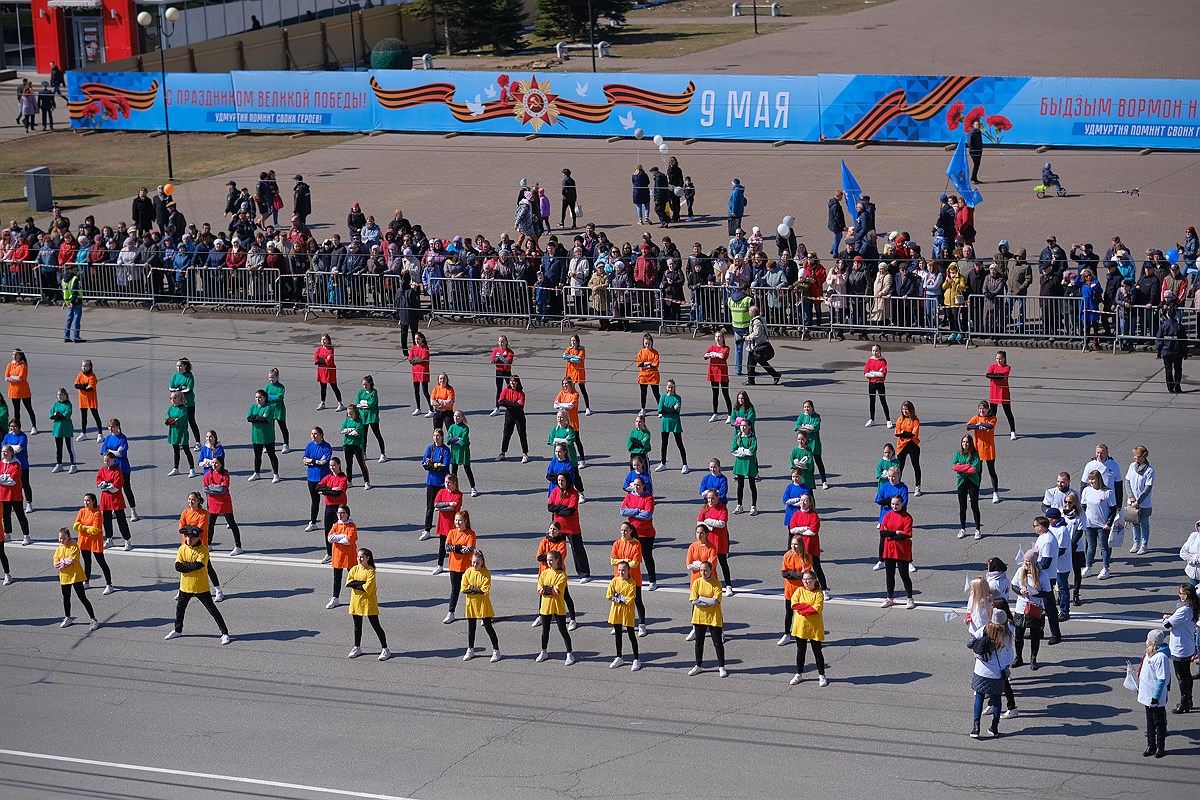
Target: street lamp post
pixel 163 32
pixel 353 47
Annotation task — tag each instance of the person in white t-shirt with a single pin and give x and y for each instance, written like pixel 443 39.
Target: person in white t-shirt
pixel 1139 479
pixel 1109 469
pixel 1100 511
pixel 1053 498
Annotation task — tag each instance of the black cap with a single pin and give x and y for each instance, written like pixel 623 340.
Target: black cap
pixel 1053 513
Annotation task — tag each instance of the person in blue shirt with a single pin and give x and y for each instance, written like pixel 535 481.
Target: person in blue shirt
pixel 791 496
pixel 436 462
pixel 317 454
pixel 716 481
pixel 737 205
pixel 893 487
pixel 185 255
pixel 212 448
pixel 19 441
pixel 117 444
pixel 561 464
pixel 638 468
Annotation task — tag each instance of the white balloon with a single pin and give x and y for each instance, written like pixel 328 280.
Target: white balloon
pixel 658 139
pixel 789 220
pixel 679 191
pixel 638 133
pixel 662 148
pixel 783 229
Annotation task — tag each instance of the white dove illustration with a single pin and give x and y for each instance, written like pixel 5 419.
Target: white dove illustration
pixel 627 121
pixel 475 107
pixel 490 91
pixel 581 89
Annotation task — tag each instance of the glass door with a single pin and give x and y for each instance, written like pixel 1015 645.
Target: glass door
pixel 88 41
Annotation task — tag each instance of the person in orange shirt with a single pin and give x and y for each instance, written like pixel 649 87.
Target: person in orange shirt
pixel 575 357
pixel 85 383
pixel 795 561
pixel 442 402
pixel 628 550
pixel 647 364
pixel 555 540
pixel 89 524
pixel 460 543
pixel 16 375
pixel 196 516
pixel 983 427
pixel 908 441
pixel 699 551
pixel 344 538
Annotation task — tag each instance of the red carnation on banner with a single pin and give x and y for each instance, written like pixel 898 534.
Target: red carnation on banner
pixel 997 125
pixel 502 82
pixel 954 116
pixel 122 105
pixel 977 113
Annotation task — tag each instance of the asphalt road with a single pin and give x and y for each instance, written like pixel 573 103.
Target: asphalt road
pixel 282 713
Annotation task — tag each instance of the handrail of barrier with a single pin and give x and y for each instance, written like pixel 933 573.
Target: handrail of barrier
pixel 482 299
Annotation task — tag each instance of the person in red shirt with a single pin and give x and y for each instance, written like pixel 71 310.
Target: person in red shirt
pixel 638 510
pixel 460 542
pixel 714 515
pixel 512 400
pixel 327 372
pixel 564 505
pixel 503 358
pixel 418 357
pixel 897 530
pixel 807 523
pixel 875 371
pixel 111 482
pixel 333 488
pixel 998 392
pixel 220 502
pixel 447 503
pixel 717 356
pixel 812 278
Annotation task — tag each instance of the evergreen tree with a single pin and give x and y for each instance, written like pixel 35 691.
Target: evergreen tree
pixel 568 19
pixel 471 24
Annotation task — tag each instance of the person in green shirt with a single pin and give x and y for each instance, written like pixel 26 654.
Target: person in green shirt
pixel 275 390
pixel 888 461
pixel 63 429
pixel 262 435
pixel 562 433
pixel 367 401
pixel 176 421
pixel 185 383
pixel 745 465
pixel 354 439
pixel 638 443
pixel 742 409
pixel 670 405
pixel 458 436
pixel 810 423
pixel 967 466
pixel 802 457
pixel 3 413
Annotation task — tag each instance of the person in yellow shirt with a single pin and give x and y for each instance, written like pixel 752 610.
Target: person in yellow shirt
pixel 627 550
pixel 70 576
pixel 621 593
pixel 191 562
pixel 808 602
pixel 477 587
pixel 364 602
pixel 705 598
pixel 552 588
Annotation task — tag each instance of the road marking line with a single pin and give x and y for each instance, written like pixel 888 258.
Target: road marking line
pixel 205 775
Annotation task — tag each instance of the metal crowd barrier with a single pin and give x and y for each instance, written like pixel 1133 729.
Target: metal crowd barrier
pixel 897 316
pixel 618 306
pixel 116 283
pixel 1138 326
pixel 218 288
pixel 20 279
pixel 340 293
pixel 459 299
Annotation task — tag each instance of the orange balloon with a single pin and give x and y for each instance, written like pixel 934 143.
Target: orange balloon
pixel 169 188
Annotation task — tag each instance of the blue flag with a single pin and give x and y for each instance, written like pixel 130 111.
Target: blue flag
pixel 959 173
pixel 852 190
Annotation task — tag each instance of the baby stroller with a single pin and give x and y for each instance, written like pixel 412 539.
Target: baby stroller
pixel 1049 179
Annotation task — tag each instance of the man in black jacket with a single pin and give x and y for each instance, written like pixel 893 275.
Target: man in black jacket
pixel 569 197
pixel 231 198
pixel 945 218
pixel 837 221
pixel 1050 289
pixel 301 199
pixel 142 212
pixel 975 149
pixel 1112 283
pixel 1171 345
pixel 1146 297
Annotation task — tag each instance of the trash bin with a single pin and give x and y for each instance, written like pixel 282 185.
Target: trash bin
pixel 37 189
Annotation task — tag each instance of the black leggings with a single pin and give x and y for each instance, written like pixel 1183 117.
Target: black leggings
pixel 879 389
pixel 583 392
pixel 579 555
pixel 423 386
pixel 11 506
pixel 820 573
pixel 4 559
pixel 258 454
pixel 1012 424
pixel 991 465
pixel 455 586
pixel 330 518
pixel 191 415
pixel 802 651
pixel 431 493
pixel 87 566
pixel 753 489
pixel 128 490
pixel 642 387
pixel 206 600
pixel 212 577
pixel 231 522
pixel 891 565
pixel 820 462
pixel 647 544
pixel 1183 672
pixel 374 428
pixel 639 605
pixel 968 490
pixel 501 382
pixel 912 451
pixel 441 419
pixel 487 626
pixel 617 629
pixel 1035 639
pixel 336 391
pixel 718 643
pixel 337 582
pixel 314 501
pixel 723 560
pixel 83 416
pixel 17 411
pixel 25 484
pixel 283 429
pixel 374 620
pixel 176 449
pixel 58 449
pixel 352 452
pixel 66 593
pixel 122 523
pixel 466 469
pixel 561 622
pixel 678 443
pixel 514 421
pixel 717 390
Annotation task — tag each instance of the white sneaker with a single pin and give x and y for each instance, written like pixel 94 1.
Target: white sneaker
pixel 328 559
pixel 888 423
pixel 822 681
pixel 312 526
pixel 449 618
pixel 582 464
pixel 878 566
pixel 795 679
pixel 1010 713
pixel 685 470
pixel 888 603
pixel 1104 573
pixel 80 437
pixel 737 509
pixel 226 638
pixel 87 585
pixel 1085 572
pixel 108 542
pixel 542 656
pixel 495 412
pixel 237 551
pixel 275 478
pixel 333 603
pixel 911 604
pixel 636 666
pixel 870 424
pixel 253 478
pixel 1013 436
pixel 826 593
pixel 754 511
pixel 587 412
pixel 962 533
pixel 95 625
pixel 694 671
pixel 1142 550
pixel 585 579
pixel 99 438
pixel 1133 549
pixel 978 534
pixel 570 662
pixel 474 492
pixel 662 467
pixel 537 622
pixel 652 586
pixel 340 407
pixel 382 458
pixel 67 622
pixel 366 486
pixel 495 656
pixel 467 656
pixel 8 581
pixel 617 662
pixel 525 459
pixel 714 418
pixel 33 432
pixel 170 474
pixel 59 468
pixel 572 625
pixel 196 447
pixel 321 406
pixel 724 673
pixel 172 635
pixel 824 484
pixel 425 536
pixel 787 638
pixel 438 570
pixel 729 591
pixel 995 497
pixel 220 598
pixel 133 517
pixel 642 632
pixel 385 654
pixel 417 412
pixel 72 469
pixel 191 473
pixel 286 449
pixel 917 493
pixel 691 635
pixel 912 567
pixel 108 589
pixel 582 498
pixel 26 541
pixel 428 415
pixel 354 653
pixel 128 545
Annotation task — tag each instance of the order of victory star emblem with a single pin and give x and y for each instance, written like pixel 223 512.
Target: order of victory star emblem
pixel 533 104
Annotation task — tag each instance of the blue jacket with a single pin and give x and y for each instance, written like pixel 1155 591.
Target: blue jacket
pixel 791 492
pixel 885 494
pixel 208 453
pixel 556 468
pixel 22 441
pixel 645 476
pixel 318 452
pixel 437 477
pixel 737 201
pixel 718 482
pixel 119 444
